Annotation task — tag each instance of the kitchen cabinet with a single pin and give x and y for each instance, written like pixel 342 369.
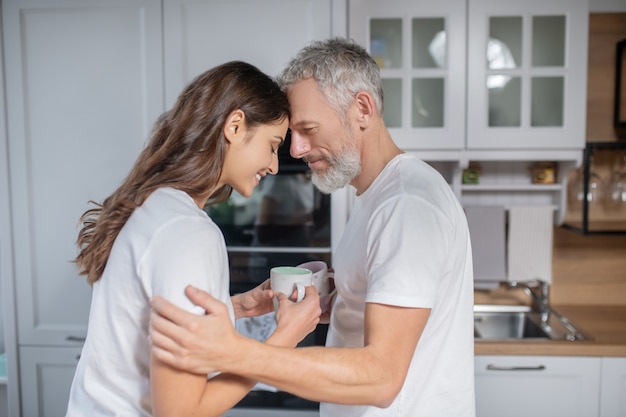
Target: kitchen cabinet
pixel 537 386
pixel 613 387
pixel 448 98
pixel 526 71
pixel 84 83
pixel 420 47
pixel 46 377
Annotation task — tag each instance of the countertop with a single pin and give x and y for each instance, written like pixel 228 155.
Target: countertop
pixel 605 325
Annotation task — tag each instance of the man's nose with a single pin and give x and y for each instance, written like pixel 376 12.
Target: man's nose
pixel 299 146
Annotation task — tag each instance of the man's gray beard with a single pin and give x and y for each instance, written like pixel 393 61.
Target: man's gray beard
pixel 342 169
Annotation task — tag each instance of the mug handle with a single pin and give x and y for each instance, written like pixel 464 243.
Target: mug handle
pixel 300 289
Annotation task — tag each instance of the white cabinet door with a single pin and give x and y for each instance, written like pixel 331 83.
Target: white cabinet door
pixel 266 33
pixel 527 72
pixel 420 47
pixel 613 388
pixel 84 85
pixel 46 378
pixel 538 386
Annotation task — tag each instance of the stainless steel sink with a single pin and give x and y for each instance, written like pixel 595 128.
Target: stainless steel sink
pixel 519 322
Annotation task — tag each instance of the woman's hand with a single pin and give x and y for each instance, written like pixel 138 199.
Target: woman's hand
pixel 255 302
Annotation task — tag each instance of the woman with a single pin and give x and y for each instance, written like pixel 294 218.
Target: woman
pixel 151 237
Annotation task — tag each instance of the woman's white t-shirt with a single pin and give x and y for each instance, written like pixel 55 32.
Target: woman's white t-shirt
pixel 166 244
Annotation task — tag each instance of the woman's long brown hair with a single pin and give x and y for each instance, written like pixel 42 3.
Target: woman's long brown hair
pixel 186 151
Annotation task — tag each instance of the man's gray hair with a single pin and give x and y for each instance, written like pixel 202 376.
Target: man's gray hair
pixel 341 69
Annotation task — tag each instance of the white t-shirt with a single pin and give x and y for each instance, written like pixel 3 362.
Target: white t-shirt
pixel 407 244
pixel 166 244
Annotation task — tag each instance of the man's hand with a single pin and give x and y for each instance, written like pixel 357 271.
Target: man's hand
pixel 196 344
pixel 255 302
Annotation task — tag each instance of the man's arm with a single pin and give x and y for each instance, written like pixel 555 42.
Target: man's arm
pixel 372 374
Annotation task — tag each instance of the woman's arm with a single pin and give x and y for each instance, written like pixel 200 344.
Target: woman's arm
pixel 180 393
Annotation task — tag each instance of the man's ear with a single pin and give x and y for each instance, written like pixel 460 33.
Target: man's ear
pixel 234 126
pixel 365 107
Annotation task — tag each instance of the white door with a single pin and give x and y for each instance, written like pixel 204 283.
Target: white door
pixel 613 388
pixel 84 85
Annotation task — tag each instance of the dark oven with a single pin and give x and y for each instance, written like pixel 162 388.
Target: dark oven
pixel 285 222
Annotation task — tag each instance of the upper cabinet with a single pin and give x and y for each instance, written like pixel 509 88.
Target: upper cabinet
pixel 202 34
pixel 479 74
pixel 420 47
pixel 527 72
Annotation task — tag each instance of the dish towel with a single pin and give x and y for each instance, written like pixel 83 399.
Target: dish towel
pixel 530 243
pixel 487 226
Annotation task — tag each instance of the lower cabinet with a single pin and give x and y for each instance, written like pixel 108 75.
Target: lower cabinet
pixel 46 376
pixel 538 386
pixel 613 388
pixel 511 386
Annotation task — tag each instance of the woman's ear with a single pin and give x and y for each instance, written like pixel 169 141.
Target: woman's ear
pixel 234 127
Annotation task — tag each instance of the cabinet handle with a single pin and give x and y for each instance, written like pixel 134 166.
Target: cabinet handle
pixel 515 368
pixel 75 339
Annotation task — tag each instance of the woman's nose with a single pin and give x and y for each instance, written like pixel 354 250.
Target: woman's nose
pixel 299 146
pixel 273 168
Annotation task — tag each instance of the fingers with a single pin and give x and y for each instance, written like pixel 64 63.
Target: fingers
pixel 204 300
pixel 266 285
pixel 310 291
pixel 162 332
pixel 167 310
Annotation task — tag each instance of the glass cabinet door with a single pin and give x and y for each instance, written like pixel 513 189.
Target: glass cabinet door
pixel 420 49
pixel 526 74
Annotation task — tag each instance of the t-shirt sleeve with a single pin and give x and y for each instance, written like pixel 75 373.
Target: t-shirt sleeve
pixel 186 251
pixel 406 252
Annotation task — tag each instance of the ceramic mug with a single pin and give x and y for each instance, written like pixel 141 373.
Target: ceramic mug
pixel 286 279
pixel 320 277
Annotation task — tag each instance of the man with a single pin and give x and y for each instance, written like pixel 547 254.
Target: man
pixel 400 340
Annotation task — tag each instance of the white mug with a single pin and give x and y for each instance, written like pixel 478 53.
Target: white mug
pixel 321 279
pixel 286 279
pixel 319 276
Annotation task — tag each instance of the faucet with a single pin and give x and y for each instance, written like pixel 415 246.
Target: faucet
pixel 539 291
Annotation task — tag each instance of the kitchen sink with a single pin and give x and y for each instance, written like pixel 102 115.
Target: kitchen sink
pixel 519 323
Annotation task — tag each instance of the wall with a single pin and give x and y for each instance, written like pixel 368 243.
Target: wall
pixel 605 30
pixel 591 269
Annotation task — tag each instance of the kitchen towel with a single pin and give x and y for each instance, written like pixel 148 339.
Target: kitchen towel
pixel 530 243
pixel 487 226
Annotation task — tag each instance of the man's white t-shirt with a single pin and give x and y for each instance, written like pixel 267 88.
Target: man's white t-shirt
pixel 166 244
pixel 407 244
